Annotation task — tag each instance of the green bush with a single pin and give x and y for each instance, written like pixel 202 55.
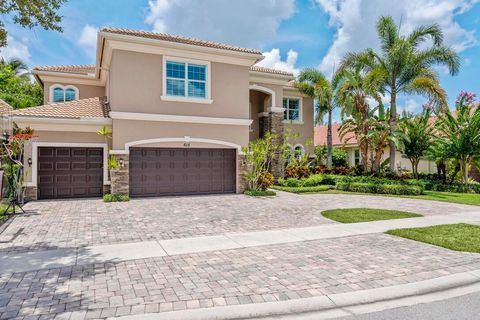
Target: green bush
pixel 304 189
pixel 454 187
pixel 363 187
pixel 259 193
pixel 292 182
pixel 115 197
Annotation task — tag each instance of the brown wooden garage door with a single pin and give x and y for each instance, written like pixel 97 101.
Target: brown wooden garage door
pixel 69 172
pixel 161 171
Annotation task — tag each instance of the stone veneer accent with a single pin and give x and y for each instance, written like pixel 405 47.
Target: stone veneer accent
pixel 273 122
pixel 120 178
pixel 241 172
pixel 30 193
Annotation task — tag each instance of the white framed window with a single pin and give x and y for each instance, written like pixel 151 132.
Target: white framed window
pixel 293 109
pixel 298 150
pixel 186 80
pixel 356 157
pixel 61 93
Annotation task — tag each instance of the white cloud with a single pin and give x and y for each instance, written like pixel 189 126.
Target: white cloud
pixel 16 49
pixel 355 22
pixel 246 23
pixel 410 106
pixel 88 39
pixel 274 60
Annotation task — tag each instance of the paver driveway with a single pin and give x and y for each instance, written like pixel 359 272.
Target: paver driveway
pixel 75 223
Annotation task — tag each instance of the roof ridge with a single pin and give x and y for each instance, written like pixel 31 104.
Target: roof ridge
pixel 178 38
pixel 270 70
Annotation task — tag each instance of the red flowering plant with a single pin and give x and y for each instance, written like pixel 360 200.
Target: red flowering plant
pixel 12 153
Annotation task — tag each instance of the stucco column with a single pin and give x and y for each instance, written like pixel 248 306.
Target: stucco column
pixel 120 177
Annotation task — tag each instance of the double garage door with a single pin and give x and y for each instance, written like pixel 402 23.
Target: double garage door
pixel 65 172
pixel 161 171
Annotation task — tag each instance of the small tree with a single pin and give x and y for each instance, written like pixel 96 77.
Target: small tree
pixel 417 137
pixel 459 132
pixel 259 155
pixel 12 151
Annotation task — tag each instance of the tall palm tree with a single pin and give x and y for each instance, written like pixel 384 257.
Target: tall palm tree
pixel 405 64
pixel 314 84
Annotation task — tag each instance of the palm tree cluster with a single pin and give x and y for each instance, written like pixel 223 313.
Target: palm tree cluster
pixel 403 65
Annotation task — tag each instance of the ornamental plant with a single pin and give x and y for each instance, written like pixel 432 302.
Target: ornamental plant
pixel 459 132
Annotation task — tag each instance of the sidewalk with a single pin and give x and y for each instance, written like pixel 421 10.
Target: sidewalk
pixel 37 260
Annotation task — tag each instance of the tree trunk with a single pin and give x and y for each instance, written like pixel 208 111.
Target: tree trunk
pixel 393 125
pixel 329 140
pixel 464 168
pixel 414 168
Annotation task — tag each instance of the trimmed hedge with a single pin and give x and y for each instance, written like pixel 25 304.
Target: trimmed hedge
pixel 454 187
pixel 380 188
pixel 304 189
pixel 115 197
pixel 259 193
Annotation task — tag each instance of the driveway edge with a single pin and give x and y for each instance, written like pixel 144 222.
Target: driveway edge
pixel 333 302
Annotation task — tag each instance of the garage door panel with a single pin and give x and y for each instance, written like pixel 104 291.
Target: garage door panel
pixel 181 171
pixel 70 172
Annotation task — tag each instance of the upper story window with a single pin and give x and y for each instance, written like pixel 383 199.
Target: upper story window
pixel 292 109
pixel 60 93
pixel 186 81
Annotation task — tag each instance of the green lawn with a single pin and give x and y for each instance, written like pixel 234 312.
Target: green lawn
pixel 461 198
pixel 364 215
pixel 459 237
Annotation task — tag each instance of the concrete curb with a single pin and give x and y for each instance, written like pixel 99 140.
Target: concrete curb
pixel 331 304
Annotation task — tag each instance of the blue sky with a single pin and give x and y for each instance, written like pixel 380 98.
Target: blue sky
pixel 293 33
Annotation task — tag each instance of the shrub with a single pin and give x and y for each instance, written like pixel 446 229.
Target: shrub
pixel 115 197
pixel 260 193
pixel 265 180
pixel 379 188
pixel 339 156
pixel 304 189
pixel 292 182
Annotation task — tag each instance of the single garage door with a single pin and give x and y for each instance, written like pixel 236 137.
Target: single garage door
pixel 65 172
pixel 161 171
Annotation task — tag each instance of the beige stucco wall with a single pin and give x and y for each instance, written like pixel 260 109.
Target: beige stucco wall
pixel 58 137
pixel 125 131
pixel 84 91
pixel 136 86
pixel 302 133
pixel 401 161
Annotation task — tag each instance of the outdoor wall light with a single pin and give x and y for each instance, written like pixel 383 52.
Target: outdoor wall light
pixel 186 144
pixel 29 162
pixel 121 162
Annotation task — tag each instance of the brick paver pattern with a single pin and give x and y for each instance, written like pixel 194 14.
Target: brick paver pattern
pixel 76 223
pixel 230 277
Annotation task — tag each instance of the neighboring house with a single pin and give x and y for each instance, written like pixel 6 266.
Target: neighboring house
pixel 180 111
pixel 349 143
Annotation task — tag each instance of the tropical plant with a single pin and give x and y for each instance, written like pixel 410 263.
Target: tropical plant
pixel 354 89
pixel 405 64
pixel 459 132
pixel 30 14
pixel 314 84
pixel 339 156
pixel 417 137
pixel 12 153
pixel 258 156
pixel 437 152
pixel 298 167
pixel 18 66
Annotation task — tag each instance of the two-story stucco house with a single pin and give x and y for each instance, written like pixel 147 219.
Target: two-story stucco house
pixel 179 109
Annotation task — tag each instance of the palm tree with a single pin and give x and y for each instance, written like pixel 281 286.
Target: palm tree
pixel 314 84
pixel 405 65
pixel 353 90
pixel 18 66
pixel 417 137
pixel 459 133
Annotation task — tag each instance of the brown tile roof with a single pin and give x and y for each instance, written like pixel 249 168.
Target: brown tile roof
pixel 269 70
pixel 320 136
pixel 84 69
pixel 85 108
pixel 5 108
pixel 178 39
